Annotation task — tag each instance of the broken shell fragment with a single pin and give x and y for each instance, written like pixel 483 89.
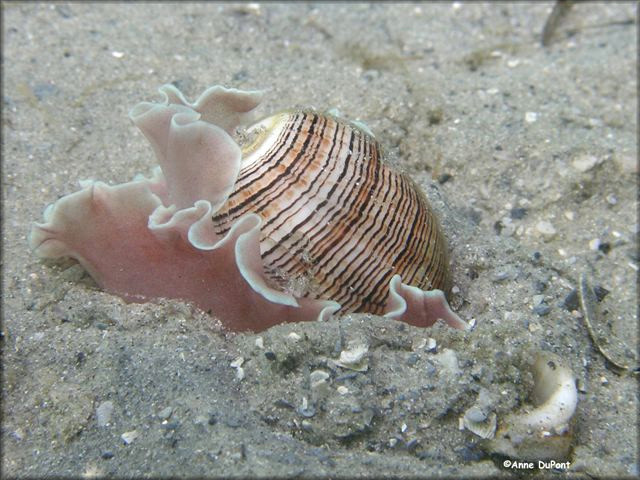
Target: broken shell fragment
pixel 555 392
pixel 543 433
pixel 478 422
pixel 129 437
pixel 354 358
pixel 448 361
pixel 318 378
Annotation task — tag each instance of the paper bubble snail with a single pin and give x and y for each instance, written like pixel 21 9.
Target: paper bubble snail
pixel 301 221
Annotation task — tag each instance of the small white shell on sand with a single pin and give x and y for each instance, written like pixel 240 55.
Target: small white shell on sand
pixel 476 421
pixel 237 363
pixel 354 358
pixel 103 413
pixel 129 437
pixel 448 361
pixel 543 432
pixel 318 378
pixel 293 336
pixel 555 393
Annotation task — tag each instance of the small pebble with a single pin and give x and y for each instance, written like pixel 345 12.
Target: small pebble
pixel 200 420
pixel 431 345
pixel 542 309
pixel 539 286
pixel 233 421
pixel 213 419
pixel 448 361
pixel 594 244
pixel 103 413
pixel 412 359
pixel 107 455
pixel 500 276
pixel 293 336
pixel 518 213
pixel 306 410
pixel 80 358
pixel 536 258
pixel 412 444
pixel 237 362
pixel 584 163
pixel 282 403
pixel 611 199
pixel 129 437
pixel 418 343
pixel 529 117
pixel 165 413
pixel 318 377
pixel 430 370
pixel 342 390
pixel 477 372
pixel 260 342
pixel 546 229
pixel 580 385
pixel 170 425
pixel 600 292
pixel 270 356
pixel 571 301
pixel 538 299
pixel 444 178
pixel 475 414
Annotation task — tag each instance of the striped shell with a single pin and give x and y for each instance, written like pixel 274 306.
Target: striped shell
pixel 302 221
pixel 338 222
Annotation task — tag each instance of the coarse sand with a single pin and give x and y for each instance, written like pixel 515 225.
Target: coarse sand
pixel 527 153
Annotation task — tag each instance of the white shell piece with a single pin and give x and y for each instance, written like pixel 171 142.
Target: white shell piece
pixel 355 357
pixel 485 428
pixel 129 437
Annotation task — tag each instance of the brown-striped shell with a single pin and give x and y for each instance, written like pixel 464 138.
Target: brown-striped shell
pixel 301 222
pixel 338 222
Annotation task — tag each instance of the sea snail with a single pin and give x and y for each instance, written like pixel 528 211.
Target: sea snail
pixel 301 221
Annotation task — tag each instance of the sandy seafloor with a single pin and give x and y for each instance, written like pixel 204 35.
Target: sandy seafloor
pixel 527 134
